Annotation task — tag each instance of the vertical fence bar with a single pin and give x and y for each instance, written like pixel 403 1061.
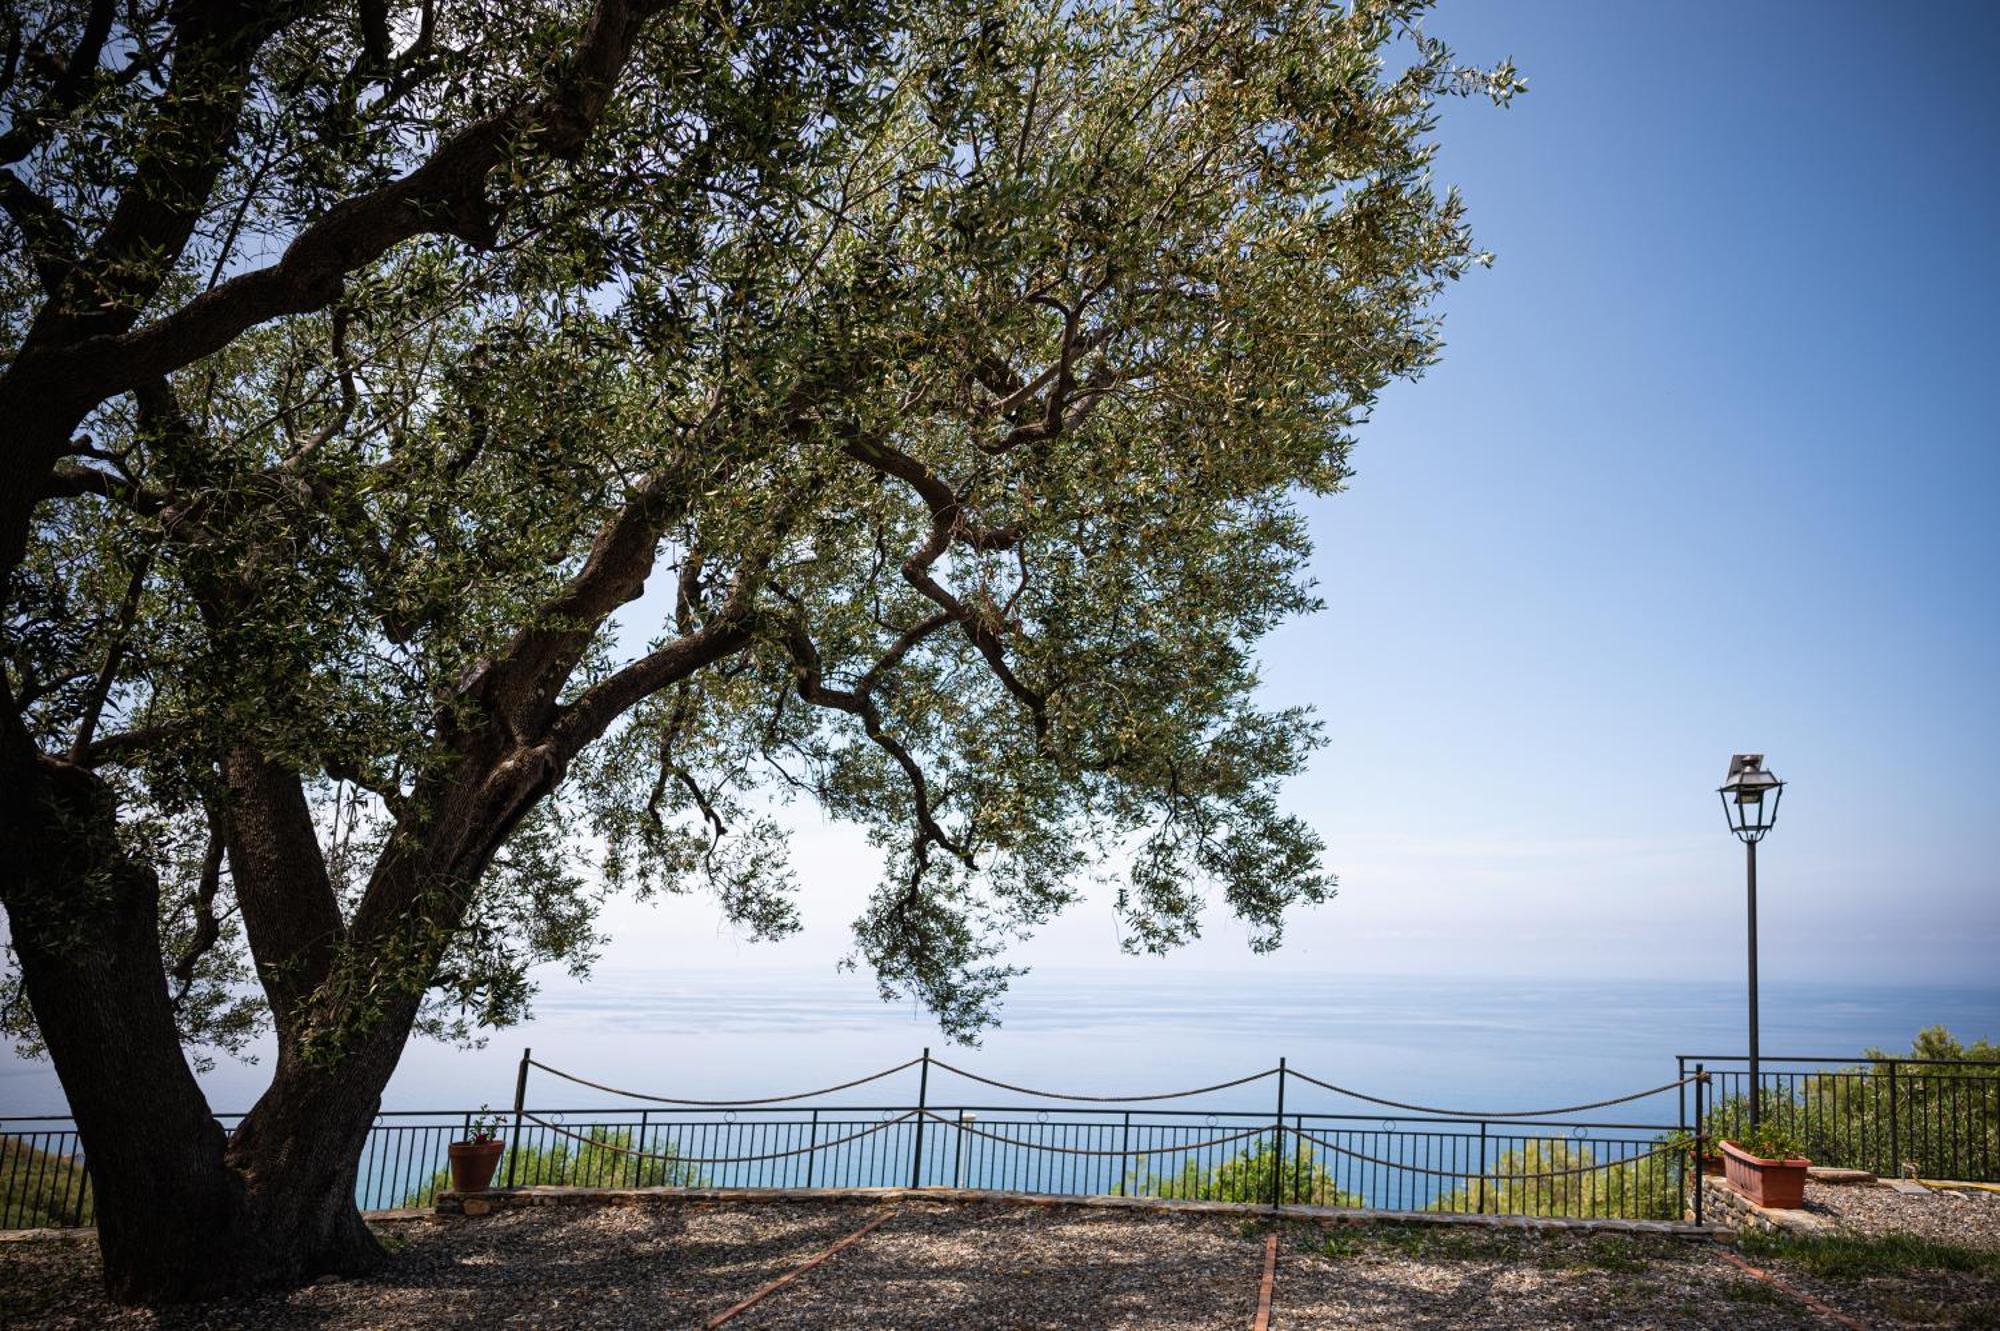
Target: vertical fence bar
pixel 1680 1075
pixel 1125 1159
pixel 923 1099
pixel 1482 1166
pixel 1278 1141
pixel 1700 1185
pixel 1302 1185
pixel 520 1104
pixel 1895 1152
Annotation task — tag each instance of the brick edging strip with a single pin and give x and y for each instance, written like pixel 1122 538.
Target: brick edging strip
pixel 1817 1305
pixel 766 1290
pixel 1263 1322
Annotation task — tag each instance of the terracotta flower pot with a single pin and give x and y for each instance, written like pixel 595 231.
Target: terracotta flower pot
pixel 1777 1184
pixel 1711 1165
pixel 473 1163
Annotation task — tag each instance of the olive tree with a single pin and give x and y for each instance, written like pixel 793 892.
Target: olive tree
pixel 951 379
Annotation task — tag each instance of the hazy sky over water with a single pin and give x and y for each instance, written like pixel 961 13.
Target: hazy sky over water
pixel 1708 465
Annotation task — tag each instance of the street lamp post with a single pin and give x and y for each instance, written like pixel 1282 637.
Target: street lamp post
pixel 1750 802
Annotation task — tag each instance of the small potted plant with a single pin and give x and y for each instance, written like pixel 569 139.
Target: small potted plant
pixel 1710 1157
pixel 474 1159
pixel 1768 1166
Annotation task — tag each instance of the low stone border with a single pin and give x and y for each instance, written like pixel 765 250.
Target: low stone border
pixel 67 1234
pixel 486 1203
pixel 1726 1204
pixel 1839 1177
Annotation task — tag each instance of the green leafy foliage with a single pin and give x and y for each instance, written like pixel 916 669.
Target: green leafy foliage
pixel 484 1126
pixel 1574 1184
pixel 1774 1138
pixel 41 1189
pixel 1247 1176
pixel 606 1160
pixel 1945 1115
pixel 904 411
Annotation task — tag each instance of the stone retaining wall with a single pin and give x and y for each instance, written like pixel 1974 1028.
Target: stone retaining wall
pixel 1722 1204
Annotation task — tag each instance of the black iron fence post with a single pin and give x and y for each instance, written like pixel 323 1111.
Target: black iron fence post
pixel 1302 1187
pixel 923 1102
pixel 1895 1151
pixel 1700 1186
pixel 1278 1142
pixel 520 1103
pixel 1482 1166
pixel 812 1145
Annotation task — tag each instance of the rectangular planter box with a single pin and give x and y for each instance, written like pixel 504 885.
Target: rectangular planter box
pixel 1777 1184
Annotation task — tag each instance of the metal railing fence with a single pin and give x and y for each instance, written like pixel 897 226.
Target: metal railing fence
pixel 43 1182
pixel 1363 1150
pixel 1938 1118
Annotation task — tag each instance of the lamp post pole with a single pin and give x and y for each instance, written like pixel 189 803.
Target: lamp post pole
pixel 1756 1091
pixel 1750 799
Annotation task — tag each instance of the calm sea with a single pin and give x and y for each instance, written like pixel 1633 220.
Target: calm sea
pixel 1458 1042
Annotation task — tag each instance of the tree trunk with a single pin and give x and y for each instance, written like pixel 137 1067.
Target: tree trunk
pixel 84 920
pixel 271 1206
pixel 184 1211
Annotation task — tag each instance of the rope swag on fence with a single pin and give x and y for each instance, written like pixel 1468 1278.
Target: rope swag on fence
pixel 718 1104
pixel 1672 1148
pixel 1496 1113
pixel 1268 1135
pixel 602 1144
pixel 963 1125
pixel 1103 1099
pixel 1245 1080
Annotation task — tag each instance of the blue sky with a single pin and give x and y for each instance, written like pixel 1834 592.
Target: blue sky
pixel 1708 465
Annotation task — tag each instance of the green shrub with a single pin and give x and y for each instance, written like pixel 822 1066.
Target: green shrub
pixel 1648 1189
pixel 40 1189
pixel 602 1162
pixel 1246 1177
pixel 1946 1118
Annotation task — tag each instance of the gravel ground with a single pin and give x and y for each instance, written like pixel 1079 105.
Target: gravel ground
pixel 1969 1217
pixel 1000 1267
pixel 1422 1278
pixel 995 1266
pixel 607 1267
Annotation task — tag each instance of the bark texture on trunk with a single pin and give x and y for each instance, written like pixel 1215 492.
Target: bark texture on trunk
pixel 84 920
pixel 184 1211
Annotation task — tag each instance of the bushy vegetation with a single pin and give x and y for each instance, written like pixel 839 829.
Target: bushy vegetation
pixel 41 1189
pixel 1945 1117
pixel 1247 1177
pixel 1646 1189
pixel 602 1162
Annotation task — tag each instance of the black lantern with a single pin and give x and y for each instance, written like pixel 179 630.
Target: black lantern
pixel 1750 797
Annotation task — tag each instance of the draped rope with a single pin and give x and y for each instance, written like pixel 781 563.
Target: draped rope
pixel 724 1104
pixel 1121 1099
pixel 965 1126
pixel 1104 1099
pixel 1461 1174
pixel 603 1145
pixel 1490 1113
